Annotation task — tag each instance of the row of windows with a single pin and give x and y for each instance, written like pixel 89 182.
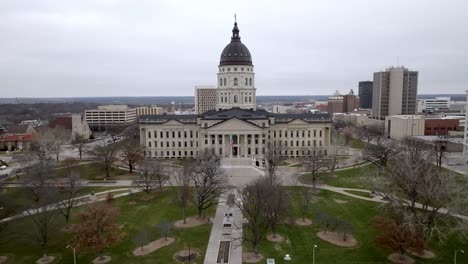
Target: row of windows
pixel 291 144
pixel 180 154
pixel 172 134
pixel 223 81
pixel 247 99
pixel 235 69
pixel 168 144
pixel 298 133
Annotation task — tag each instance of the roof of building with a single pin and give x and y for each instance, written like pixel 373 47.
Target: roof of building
pixel 454 140
pixel 61 121
pixel 235 53
pixel 238 113
pixel 16 137
pixel 18 129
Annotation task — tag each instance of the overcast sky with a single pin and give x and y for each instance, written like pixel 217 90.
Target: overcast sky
pixel 160 48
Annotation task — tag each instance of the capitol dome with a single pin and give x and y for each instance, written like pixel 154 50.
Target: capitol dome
pixel 235 53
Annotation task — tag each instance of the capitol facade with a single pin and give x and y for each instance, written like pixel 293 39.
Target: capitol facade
pixel 235 128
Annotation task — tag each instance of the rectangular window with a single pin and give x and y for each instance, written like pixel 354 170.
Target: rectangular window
pixel 315 133
pixel 155 134
pixel 149 144
pixel 149 134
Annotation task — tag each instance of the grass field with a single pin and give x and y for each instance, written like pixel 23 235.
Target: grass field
pixel 300 240
pixel 347 178
pixel 132 218
pixel 94 171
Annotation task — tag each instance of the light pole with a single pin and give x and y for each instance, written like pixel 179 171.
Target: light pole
pixel 313 254
pixel 74 253
pixel 455 258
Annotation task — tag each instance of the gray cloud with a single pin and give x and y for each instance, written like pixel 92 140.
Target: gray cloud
pixel 150 48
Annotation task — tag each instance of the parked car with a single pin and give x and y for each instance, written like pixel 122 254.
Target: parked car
pixel 3 167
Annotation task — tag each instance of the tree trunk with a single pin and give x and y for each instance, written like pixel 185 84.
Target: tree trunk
pixel 200 211
pixel 314 182
pixel 183 214
pixel 131 168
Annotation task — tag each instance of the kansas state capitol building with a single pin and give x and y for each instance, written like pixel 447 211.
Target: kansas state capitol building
pixel 235 128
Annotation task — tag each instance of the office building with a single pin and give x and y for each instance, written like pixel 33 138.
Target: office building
pixel 110 115
pixel 365 94
pixel 206 98
pixel 394 92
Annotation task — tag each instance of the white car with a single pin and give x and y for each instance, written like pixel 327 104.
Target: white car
pixel 3 167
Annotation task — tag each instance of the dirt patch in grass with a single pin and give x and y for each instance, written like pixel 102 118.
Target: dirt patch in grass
pixel 191 222
pixel 276 238
pixel 338 201
pixel 400 259
pixel 303 222
pixel 337 239
pixel 186 255
pixel 3 259
pixel 153 246
pixel 148 197
pixel 132 203
pixel 427 254
pixel 46 260
pixel 251 257
pixel 102 259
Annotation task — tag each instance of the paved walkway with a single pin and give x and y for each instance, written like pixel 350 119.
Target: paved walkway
pixel 377 198
pixel 220 233
pixel 85 199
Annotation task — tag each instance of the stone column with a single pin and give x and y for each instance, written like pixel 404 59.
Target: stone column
pixel 245 146
pixel 230 145
pixel 224 145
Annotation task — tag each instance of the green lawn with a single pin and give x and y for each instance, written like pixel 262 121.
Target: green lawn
pixel 348 178
pixel 19 196
pixel 94 171
pixel 300 240
pixel 133 217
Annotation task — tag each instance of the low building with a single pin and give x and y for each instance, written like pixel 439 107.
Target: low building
pixel 432 105
pixel 74 124
pixel 402 126
pixel 343 103
pixel 15 142
pixel 110 115
pixel 26 129
pixel 149 110
pixel 440 126
pixel 335 104
pixel 450 144
pixel 358 120
pixel 279 109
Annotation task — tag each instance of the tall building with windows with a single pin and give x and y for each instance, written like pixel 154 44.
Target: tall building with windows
pixel 110 115
pixel 394 92
pixel 235 129
pixel 365 94
pixel 206 98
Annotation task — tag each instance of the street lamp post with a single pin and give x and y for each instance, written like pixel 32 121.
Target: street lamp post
pixel 74 253
pixel 455 258
pixel 313 254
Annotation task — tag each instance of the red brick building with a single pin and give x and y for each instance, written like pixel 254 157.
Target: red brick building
pixel 438 126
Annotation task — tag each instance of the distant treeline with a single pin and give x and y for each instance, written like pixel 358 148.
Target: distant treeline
pixel 164 100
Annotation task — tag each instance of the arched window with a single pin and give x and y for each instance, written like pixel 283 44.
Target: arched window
pixel 235 82
pixel 222 101
pixel 224 81
pixel 250 99
pixel 246 83
pixel 250 81
pixel 220 81
pixel 235 98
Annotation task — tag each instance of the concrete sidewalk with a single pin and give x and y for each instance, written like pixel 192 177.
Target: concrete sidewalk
pixel 220 233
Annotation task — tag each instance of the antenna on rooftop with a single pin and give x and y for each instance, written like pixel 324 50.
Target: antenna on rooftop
pixel 235 17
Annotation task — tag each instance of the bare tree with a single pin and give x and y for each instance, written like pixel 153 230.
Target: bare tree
pixel 253 205
pixel 440 146
pixel 142 238
pixel 131 153
pixel 344 228
pixel 278 206
pixel 184 191
pixel 107 155
pixel 379 153
pixel 208 179
pixel 8 205
pixel 164 229
pixel 151 175
pixel 43 220
pixel 70 190
pixel 60 136
pixel 314 163
pixel 273 158
pixel 37 178
pixel 79 142
pixel 306 196
pixel 348 133
pixel 114 131
pixel 326 221
pixel 419 191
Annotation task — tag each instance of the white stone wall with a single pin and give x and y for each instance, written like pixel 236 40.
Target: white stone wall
pixel 236 87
